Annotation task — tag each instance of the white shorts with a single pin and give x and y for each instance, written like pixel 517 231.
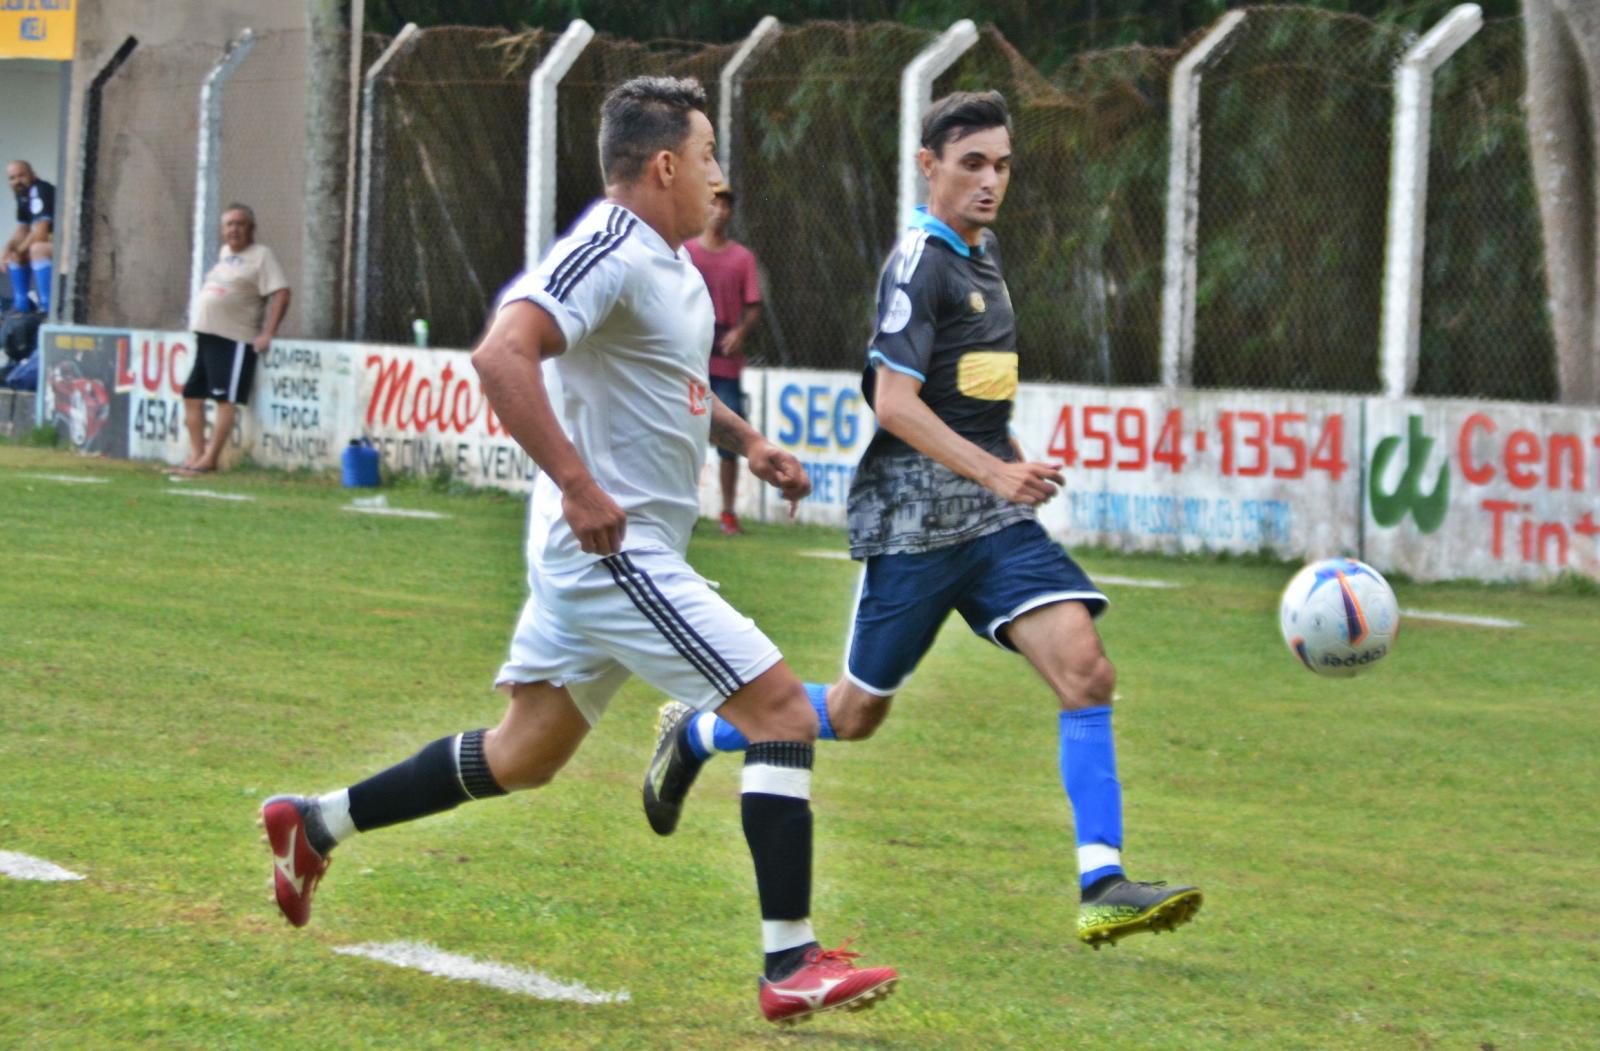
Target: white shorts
pixel 643 612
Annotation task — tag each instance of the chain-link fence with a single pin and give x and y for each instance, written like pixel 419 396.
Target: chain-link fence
pixel 1296 115
pixel 1485 330
pixel 814 165
pixel 139 207
pixel 1081 229
pixel 262 155
pixel 1294 168
pixel 448 181
pixel 604 64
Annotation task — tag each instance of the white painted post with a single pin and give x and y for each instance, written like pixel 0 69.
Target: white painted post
pixel 540 207
pixel 365 203
pixel 1183 205
pixel 765 32
pixel 916 93
pixel 207 207
pixel 1408 194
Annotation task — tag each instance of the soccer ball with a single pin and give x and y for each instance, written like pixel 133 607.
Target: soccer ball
pixel 1339 616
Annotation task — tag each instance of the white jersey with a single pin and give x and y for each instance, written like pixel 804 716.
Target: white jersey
pixel 631 389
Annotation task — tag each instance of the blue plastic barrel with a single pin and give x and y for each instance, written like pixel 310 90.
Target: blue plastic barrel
pixel 360 465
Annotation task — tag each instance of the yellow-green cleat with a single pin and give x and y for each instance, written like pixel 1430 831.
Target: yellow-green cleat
pixel 1115 908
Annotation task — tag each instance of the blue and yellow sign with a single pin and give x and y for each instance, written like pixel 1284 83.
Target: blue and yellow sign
pixel 38 29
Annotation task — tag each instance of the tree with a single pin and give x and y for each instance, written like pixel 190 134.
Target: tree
pixel 1563 58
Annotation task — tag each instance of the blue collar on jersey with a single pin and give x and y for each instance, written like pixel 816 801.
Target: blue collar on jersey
pixel 922 219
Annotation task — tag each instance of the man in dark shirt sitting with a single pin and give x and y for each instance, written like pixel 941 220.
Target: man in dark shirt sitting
pixel 29 256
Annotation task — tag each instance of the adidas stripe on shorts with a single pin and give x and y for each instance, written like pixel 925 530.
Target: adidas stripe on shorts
pixel 643 612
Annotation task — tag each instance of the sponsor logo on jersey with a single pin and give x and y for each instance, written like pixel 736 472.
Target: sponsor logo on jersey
pixel 899 312
pixel 698 392
pixel 988 375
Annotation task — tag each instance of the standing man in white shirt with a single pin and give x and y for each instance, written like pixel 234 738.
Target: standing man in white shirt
pixel 619 314
pixel 235 316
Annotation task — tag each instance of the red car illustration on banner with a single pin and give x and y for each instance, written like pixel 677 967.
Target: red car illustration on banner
pixel 82 405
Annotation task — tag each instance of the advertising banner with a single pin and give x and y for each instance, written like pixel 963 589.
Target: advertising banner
pixel 151 377
pixel 1159 470
pixel 824 421
pixel 1436 489
pixel 78 389
pixel 38 29
pixel 426 413
pixel 1482 489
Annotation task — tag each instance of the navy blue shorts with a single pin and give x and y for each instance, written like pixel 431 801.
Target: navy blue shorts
pixel 730 394
pixel 991 581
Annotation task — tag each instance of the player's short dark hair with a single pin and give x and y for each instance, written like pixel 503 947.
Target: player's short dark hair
pixel 961 113
pixel 640 118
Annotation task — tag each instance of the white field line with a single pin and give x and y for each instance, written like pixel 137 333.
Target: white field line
pixel 70 479
pixel 842 556
pixel 435 961
pixel 394 512
pixel 211 494
pixel 1462 618
pixel 26 866
pixel 1134 582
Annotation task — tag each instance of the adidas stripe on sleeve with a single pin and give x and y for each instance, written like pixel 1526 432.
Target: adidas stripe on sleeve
pixel 908 308
pixel 582 276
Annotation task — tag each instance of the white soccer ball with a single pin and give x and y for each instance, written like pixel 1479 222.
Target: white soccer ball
pixel 1339 617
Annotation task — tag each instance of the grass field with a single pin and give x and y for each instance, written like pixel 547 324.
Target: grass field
pixel 1405 860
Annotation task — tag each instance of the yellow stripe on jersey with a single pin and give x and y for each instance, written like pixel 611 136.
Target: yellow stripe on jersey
pixel 988 375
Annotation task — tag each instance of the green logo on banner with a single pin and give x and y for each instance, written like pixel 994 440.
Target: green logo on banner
pixel 1389 508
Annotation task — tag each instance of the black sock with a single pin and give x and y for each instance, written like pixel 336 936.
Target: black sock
pixel 427 783
pixel 1101 884
pixel 784 962
pixel 776 807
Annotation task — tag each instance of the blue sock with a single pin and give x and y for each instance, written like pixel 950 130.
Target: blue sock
pixel 19 286
pixel 1089 774
pixel 42 270
pixel 725 737
pixel 818 695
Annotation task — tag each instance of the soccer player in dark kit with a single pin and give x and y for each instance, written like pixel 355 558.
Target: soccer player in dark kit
pixel 941 513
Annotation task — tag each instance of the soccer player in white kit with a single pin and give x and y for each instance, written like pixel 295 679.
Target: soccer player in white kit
pixel 619 315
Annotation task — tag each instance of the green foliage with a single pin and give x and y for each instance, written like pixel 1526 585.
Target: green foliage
pixel 1296 117
pixel 45 436
pixel 1048 34
pixel 1485 328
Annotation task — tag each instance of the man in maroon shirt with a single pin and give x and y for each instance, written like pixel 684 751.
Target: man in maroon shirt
pixel 730 272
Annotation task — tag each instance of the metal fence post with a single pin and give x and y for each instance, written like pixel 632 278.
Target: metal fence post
pixel 207 207
pixel 540 229
pixel 366 204
pixel 1183 206
pixel 765 32
pixel 1408 194
pixel 73 303
pixel 916 92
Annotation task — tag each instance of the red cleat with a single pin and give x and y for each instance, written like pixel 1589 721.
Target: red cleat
pixel 296 866
pixel 825 981
pixel 730 524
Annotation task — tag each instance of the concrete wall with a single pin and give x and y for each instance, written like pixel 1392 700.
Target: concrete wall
pixel 31 130
pixel 141 274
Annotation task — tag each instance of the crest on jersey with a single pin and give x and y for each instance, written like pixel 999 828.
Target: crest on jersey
pixel 899 312
pixel 975 301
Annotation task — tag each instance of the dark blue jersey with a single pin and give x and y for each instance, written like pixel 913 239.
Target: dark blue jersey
pixel 37 203
pixel 944 317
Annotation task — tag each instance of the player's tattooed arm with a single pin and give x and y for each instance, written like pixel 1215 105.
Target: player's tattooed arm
pixel 728 431
pixel 775 466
